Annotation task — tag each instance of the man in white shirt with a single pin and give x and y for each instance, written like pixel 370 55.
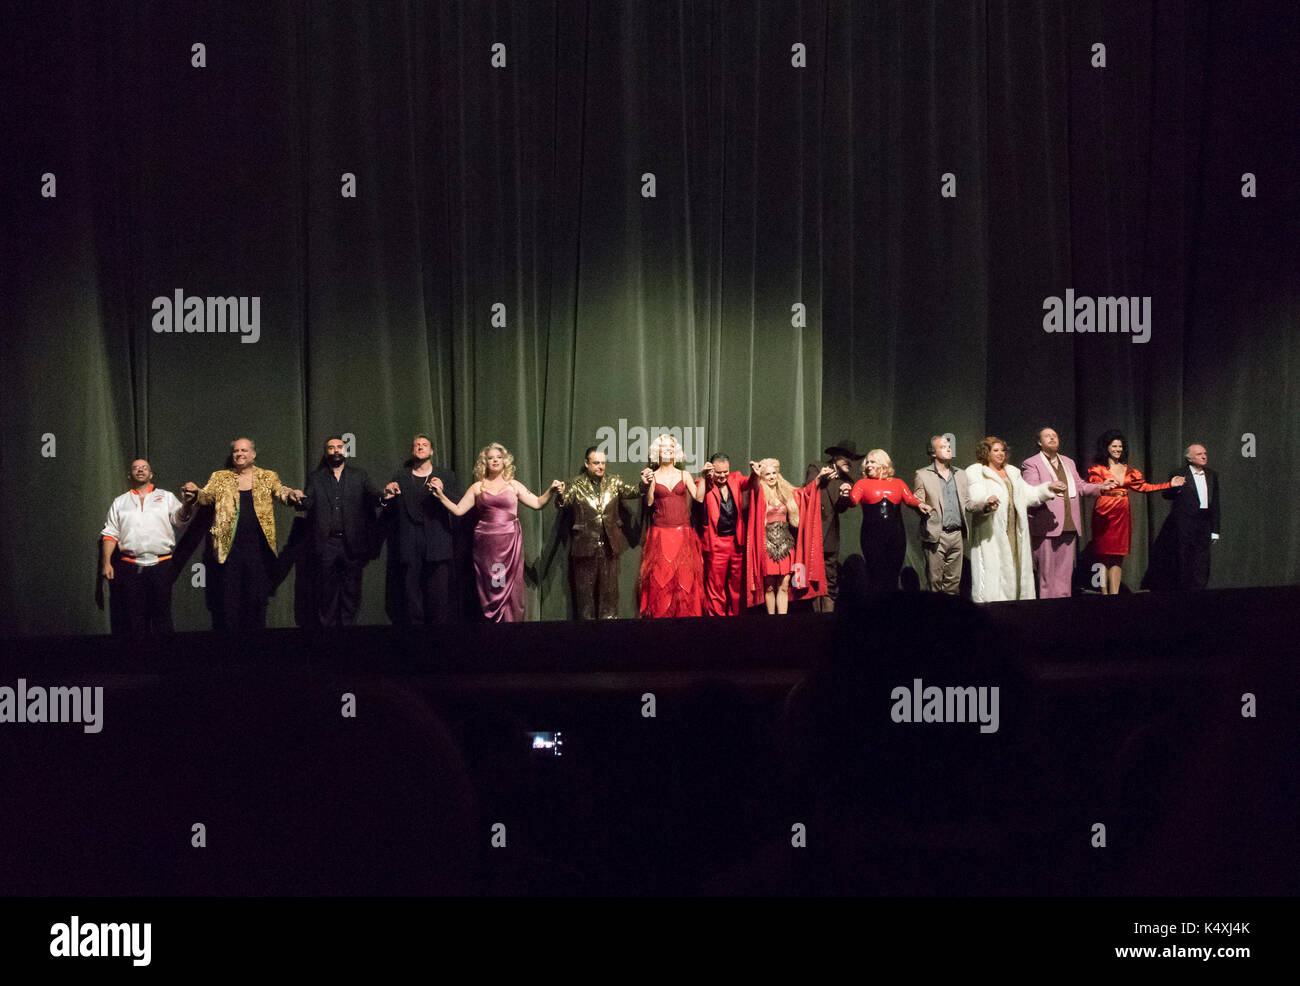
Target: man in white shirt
pixel 142 526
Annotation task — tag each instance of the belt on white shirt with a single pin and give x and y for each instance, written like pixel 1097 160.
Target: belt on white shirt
pixel 144 558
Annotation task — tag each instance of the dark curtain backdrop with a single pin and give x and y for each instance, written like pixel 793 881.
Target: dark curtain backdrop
pixel 521 186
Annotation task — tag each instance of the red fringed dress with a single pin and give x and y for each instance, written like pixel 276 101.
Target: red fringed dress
pixel 672 568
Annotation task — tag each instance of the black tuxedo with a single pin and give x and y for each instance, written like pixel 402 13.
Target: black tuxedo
pixel 1185 538
pixel 424 545
pixel 340 517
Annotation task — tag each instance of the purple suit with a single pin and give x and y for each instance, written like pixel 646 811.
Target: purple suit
pixel 1053 546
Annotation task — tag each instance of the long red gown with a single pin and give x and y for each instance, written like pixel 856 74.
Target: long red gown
pixel 672 566
pixel 1112 521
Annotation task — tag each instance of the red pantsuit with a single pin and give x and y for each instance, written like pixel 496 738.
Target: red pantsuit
pixel 724 557
pixel 724 576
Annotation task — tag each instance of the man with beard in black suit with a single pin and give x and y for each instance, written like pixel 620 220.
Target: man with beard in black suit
pixel 340 501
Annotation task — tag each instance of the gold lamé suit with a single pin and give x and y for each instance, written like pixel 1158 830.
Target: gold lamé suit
pixel 596 541
pixel 222 489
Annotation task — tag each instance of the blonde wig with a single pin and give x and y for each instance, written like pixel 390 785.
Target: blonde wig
pixel 778 490
pixel 665 446
pixel 881 454
pixel 507 465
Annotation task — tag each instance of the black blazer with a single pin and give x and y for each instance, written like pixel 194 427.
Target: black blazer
pixel 1187 505
pixel 425 528
pixel 360 497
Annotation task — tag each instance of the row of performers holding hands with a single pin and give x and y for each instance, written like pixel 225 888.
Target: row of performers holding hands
pixel 753 535
pixel 762 539
pixel 761 542
pixel 758 550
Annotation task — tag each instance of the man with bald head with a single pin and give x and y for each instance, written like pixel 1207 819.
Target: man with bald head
pixel 243 532
pixel 142 526
pixel 1194 520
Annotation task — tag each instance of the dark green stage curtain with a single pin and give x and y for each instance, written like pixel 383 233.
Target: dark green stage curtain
pixel 502 275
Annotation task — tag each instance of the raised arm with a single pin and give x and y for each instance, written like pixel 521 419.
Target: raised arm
pixel 180 513
pixel 460 509
pixel 1136 482
pixel 285 494
pixel 818 479
pixel 705 477
pixel 536 502
pixel 696 490
pixel 629 492
pixel 206 495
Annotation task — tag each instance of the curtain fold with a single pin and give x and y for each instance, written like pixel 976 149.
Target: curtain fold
pixel 562 224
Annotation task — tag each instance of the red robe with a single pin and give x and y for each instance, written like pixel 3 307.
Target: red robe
pixel 807 545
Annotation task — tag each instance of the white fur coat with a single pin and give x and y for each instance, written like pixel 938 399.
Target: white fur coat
pixel 993 576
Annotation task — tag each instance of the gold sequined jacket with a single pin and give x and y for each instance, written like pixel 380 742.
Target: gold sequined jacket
pixel 222 490
pixel 594 513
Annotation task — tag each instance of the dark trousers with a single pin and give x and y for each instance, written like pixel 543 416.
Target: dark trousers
pixel 144 594
pixel 595 586
pixel 883 549
pixel 427 588
pixel 245 586
pixel 1194 551
pixel 826 603
pixel 337 577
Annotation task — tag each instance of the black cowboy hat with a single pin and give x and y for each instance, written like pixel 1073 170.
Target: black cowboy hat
pixel 847 449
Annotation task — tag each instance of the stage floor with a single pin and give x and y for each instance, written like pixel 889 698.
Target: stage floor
pixel 696 754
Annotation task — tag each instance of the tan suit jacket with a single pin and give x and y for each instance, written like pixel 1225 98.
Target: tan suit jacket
pixel 928 488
